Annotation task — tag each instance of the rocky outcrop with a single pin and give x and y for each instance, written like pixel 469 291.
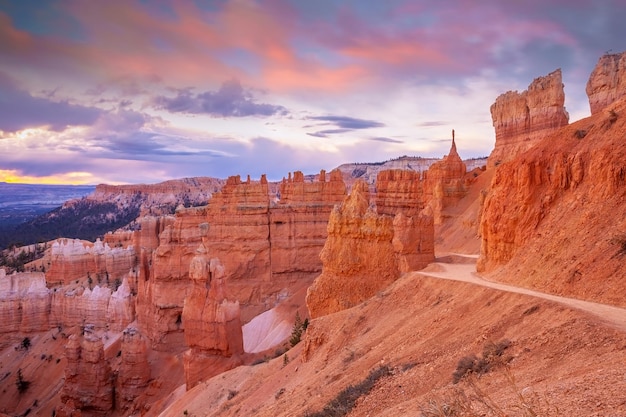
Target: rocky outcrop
pixel 134 370
pixel 164 277
pixel 554 215
pixel 212 323
pixel 400 191
pixel 363 254
pixel 72 259
pixel 100 307
pixel 161 198
pixel 88 378
pixel 409 192
pixel 298 224
pixel 24 304
pixel 521 120
pixel 607 82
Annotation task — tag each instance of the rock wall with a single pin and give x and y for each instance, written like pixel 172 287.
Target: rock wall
pixel 134 371
pixel 607 82
pixel 104 309
pixel 268 248
pixel 164 277
pixel 554 216
pixel 72 259
pixel 521 120
pixel 409 192
pixel 365 252
pixel 400 191
pixel 24 305
pixel 298 223
pixel 212 323
pixel 88 379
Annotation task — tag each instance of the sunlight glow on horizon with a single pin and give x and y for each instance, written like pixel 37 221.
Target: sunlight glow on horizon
pixel 71 178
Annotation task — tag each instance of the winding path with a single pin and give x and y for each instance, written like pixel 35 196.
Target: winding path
pixel 466 272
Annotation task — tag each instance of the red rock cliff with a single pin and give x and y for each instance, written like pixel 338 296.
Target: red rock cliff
pixel 555 215
pixel 365 252
pixel 88 379
pixel 607 82
pixel 212 323
pixel 521 120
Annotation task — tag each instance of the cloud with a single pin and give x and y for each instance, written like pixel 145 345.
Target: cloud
pixel 20 110
pixel 388 140
pixel 432 123
pixel 231 100
pixel 325 133
pixel 345 122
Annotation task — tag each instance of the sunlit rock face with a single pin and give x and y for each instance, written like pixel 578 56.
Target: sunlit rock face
pixel 607 82
pixel 212 322
pixel 72 259
pixel 269 248
pixel 88 379
pixel 523 119
pixel 366 251
pixel 134 371
pixel 24 304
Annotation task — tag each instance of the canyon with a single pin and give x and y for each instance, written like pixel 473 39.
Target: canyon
pixel 190 311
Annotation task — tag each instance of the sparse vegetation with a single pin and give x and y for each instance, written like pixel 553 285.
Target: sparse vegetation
pixel 232 393
pixel 492 355
pixel 473 401
pixel 25 344
pixel 612 116
pixel 299 327
pixel 21 383
pixel 285 360
pixel 620 241
pixel 345 401
pixel 580 133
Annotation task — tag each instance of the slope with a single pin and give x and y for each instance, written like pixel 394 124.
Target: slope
pixel 420 327
pixel 555 217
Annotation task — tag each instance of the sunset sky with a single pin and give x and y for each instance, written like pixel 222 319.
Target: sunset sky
pixel 129 91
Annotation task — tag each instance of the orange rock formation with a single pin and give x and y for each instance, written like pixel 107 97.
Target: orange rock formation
pixel 212 323
pixel 134 371
pixel 88 379
pixel 24 305
pixel 366 251
pixel 71 259
pixel 269 249
pixel 607 82
pixel 523 119
pixel 555 215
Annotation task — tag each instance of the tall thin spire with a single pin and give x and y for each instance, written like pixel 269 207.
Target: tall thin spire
pixel 453 147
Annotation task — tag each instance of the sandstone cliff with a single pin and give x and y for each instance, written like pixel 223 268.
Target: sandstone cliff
pixel 134 371
pixel 365 252
pixel 212 323
pixel 521 120
pixel 555 215
pixel 71 259
pixel 88 379
pixel 607 82
pixel 24 305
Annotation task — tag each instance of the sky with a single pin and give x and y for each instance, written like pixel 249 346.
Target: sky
pixel 138 91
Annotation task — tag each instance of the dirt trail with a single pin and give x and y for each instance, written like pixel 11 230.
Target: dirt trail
pixel 466 272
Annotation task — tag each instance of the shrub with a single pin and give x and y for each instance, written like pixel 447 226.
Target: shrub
pixel 492 355
pixel 580 133
pixel 21 383
pixel 25 344
pixel 345 401
pixel 298 328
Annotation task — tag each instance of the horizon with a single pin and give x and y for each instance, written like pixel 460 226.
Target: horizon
pixel 139 93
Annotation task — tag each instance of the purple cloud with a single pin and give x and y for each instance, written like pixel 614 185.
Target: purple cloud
pixel 231 100
pixel 20 110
